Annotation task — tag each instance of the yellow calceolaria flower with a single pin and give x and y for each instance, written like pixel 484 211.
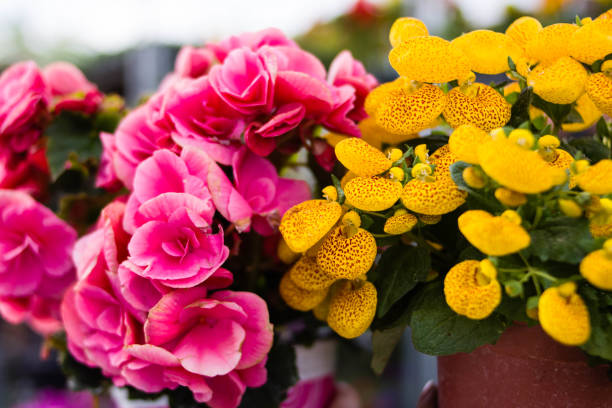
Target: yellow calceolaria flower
pixel 473 177
pixel 471 289
pixel 596 267
pixel 404 28
pixel 599 88
pixel 561 81
pixel 376 135
pixel 284 253
pixel 464 142
pixel 423 172
pixel 422 153
pixel 351 219
pixel 563 315
pixel 588 112
pixel 523 29
pixel 304 224
pixel 362 159
pixel 372 193
pixel 380 93
pixel 516 168
pixel 429 59
pixel 401 222
pixel 550 43
pixel 510 198
pixel 346 178
pixel 436 197
pixel 407 111
pixel 352 308
pixel 547 147
pixel 429 219
pixel 522 137
pixel 394 154
pixel 495 236
pixel 487 50
pixel 397 173
pixel 298 298
pixel 307 275
pixel 477 104
pixel 330 193
pixel 601 229
pixel 597 179
pixel 592 41
pixel 570 208
pixel 343 257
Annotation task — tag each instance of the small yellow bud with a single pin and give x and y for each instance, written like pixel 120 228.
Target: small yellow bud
pixel 396 173
pixel 567 289
pixel 498 133
pixel 486 272
pixel 606 205
pixel 512 216
pixel 394 154
pixel 421 171
pixel 586 20
pixel 532 313
pixel 579 166
pixel 422 153
pixel 428 219
pixel 570 208
pixel 351 218
pixel 509 197
pixel 330 193
pixel 400 223
pixel 549 141
pixel 473 178
pixel 522 137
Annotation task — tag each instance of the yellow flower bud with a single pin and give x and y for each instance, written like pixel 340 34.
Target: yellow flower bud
pixel 352 309
pixel 372 193
pixel 351 218
pixel 396 173
pixel 597 179
pixel 394 154
pixel 362 159
pixel 347 257
pixel 404 28
pixel 512 216
pixel 464 142
pixel 471 289
pixel 330 193
pixel 284 253
pixel 473 178
pixel 400 223
pixel 298 298
pixel 422 153
pixel 498 133
pixel 564 316
pixel 570 208
pixel 306 223
pixel 495 236
pixel 479 105
pixel 606 205
pixel 579 166
pixel 421 171
pixel 522 137
pixel 510 198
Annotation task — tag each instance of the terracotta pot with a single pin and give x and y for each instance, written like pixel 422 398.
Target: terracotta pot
pixel 526 369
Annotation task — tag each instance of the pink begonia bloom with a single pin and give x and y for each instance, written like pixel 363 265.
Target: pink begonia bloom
pixel 70 90
pixel 337 120
pixel 215 345
pixel 106 177
pixel 193 62
pixel 245 81
pixel 23 103
pixel 346 70
pixel 260 137
pixel 26 171
pixel 251 40
pixel 268 195
pixel 318 392
pixel 35 264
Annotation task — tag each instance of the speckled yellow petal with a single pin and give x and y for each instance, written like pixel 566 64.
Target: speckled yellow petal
pixel 464 142
pixel 564 318
pixel 588 112
pixel 380 93
pixel 592 41
pixel 362 159
pixel 432 197
pixel 599 88
pixel 298 298
pixel 560 82
pixel 597 179
pixel 487 50
pixel 551 42
pixel 429 59
pixel 372 193
pixel 406 111
pixel 307 275
pixel 496 236
pixel 347 257
pixel 352 309
pixel 400 223
pixel 404 28
pixel 523 29
pixel 481 106
pixel 466 295
pixel 375 135
pixel 346 178
pixel 601 230
pixel 306 223
pixel 429 219
pixel 596 267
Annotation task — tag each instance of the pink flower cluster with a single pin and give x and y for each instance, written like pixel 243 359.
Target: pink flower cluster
pixel 28 96
pixel 35 262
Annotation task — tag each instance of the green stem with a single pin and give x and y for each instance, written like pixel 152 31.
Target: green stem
pixel 537 218
pixel 381 235
pixel 372 213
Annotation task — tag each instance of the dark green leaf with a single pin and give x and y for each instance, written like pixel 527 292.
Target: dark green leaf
pixel 401 268
pixel 511 64
pixel 556 112
pixel 574 117
pixel 81 377
pixel 561 239
pixel 539 122
pixel 338 186
pixel 437 330
pixel 602 128
pixel 366 221
pixel 383 344
pixel 592 149
pixel 520 108
pixel 513 309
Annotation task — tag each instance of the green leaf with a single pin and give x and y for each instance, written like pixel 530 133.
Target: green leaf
pixel 438 331
pixel 592 149
pixel 556 112
pixel 70 133
pixel 578 21
pixel 511 64
pixel 475 197
pixel 401 268
pixel 602 128
pixel 574 117
pixel 81 377
pixel 513 309
pixel 599 304
pixel 520 108
pixel 383 344
pixel 561 239
pixel 339 189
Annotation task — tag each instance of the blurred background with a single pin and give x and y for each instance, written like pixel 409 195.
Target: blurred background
pixel 128 46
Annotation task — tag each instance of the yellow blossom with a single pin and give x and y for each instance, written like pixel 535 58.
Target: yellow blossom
pixel 587 111
pixel 522 137
pixel 601 230
pixel 487 50
pixel 380 93
pixel 429 219
pixel 346 178
pixel 495 236
pixel 436 197
pixel 561 81
pixel 510 198
pixel 592 41
pixel 372 193
pixel 523 29
pixel 406 27
pixel 550 43
pixel 570 208
pixel 563 315
pixel 347 257
pixel 284 253
pixel 361 158
pixel 473 177
pixel 307 275
pixel 464 142
pixel 597 179
pixel 599 88
pixel 394 154
pixel 396 173
pixel 351 218
pixel 376 135
pixel 596 267
pixel 352 309
pixel 422 153
pixel 401 222
pixel 298 298
pixel 330 193
pixel 479 105
pixel 471 289
pixel 306 223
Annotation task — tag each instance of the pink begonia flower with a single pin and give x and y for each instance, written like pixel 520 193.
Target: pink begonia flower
pixel 70 90
pixel 35 264
pixel 260 137
pixel 253 41
pixel 26 171
pixel 193 62
pixel 216 345
pixel 346 70
pixel 245 81
pixel 106 177
pixel 23 104
pixel 337 120
pixel 268 195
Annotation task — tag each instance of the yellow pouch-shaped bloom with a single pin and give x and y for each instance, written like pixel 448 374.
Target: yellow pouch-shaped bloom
pixel 436 197
pixel 495 236
pixel 362 159
pixel 307 275
pixel 599 88
pixel 592 41
pixel 372 193
pixel 478 105
pixel 304 224
pixel 284 253
pixel 472 291
pixel 560 82
pixel 429 59
pixel 404 28
pixel 550 43
pixel 429 219
pixel 588 111
pixel 464 142
pixel 596 267
pixel 375 135
pixel 352 309
pixel 401 222
pixel 298 298
pixel 523 29
pixel 487 51
pixel 406 111
pixel 597 179
pixel 564 316
pixel 517 168
pixel 380 93
pixel 603 230
pixel 510 198
pixel 347 257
